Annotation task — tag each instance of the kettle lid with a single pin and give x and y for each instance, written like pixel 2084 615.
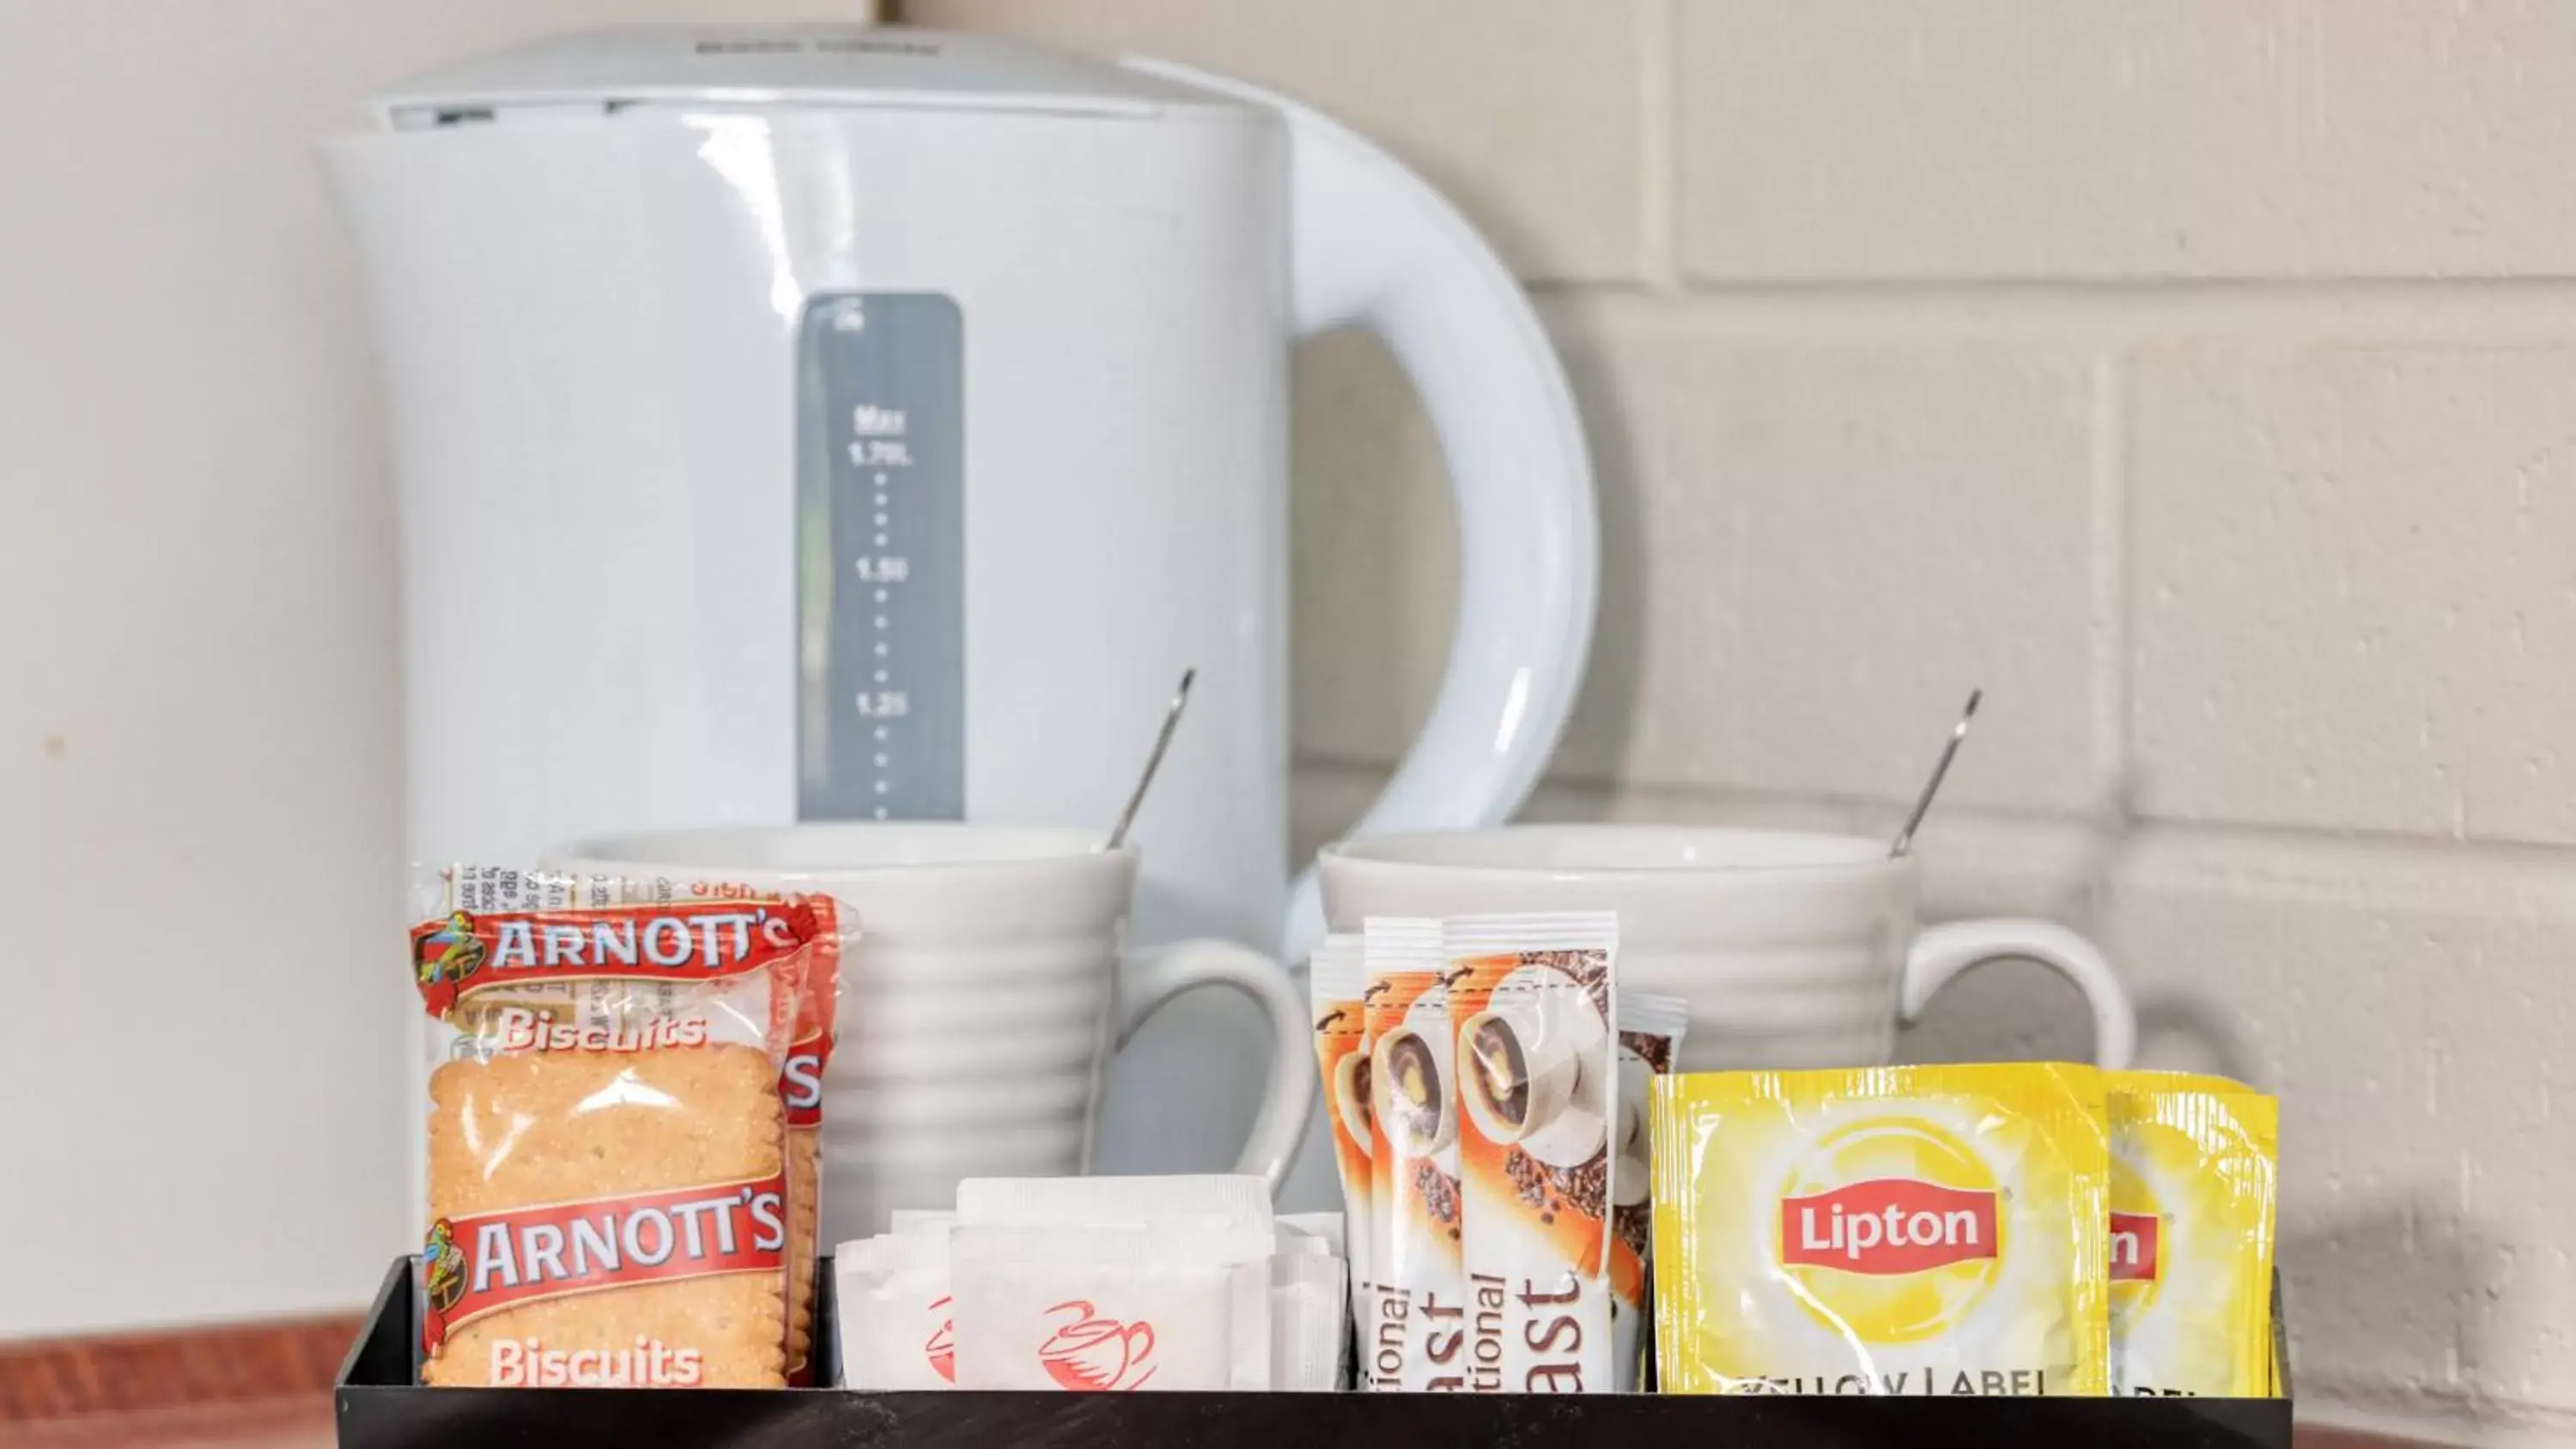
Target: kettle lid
pixel 786 65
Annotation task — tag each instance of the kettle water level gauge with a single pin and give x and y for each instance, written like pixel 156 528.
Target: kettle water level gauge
pixel 880 545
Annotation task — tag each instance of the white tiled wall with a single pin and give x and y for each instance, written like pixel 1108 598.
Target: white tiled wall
pixel 2198 377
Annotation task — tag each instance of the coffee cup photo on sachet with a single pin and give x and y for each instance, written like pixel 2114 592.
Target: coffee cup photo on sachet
pixel 1412 1093
pixel 1529 1078
pixel 1348 1094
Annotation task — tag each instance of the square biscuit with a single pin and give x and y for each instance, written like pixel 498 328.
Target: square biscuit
pixel 804 1212
pixel 525 1129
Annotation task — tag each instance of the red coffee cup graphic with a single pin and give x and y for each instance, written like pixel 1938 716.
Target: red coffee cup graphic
pixel 1094 1354
pixel 941 1350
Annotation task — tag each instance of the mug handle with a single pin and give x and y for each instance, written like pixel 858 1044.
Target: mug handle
pixel 1147 979
pixel 1942 952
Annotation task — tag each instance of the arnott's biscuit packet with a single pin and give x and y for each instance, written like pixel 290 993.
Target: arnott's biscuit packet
pixel 1884 1230
pixel 1531 1008
pixel 800 1084
pixel 2193 1167
pixel 608 1189
pixel 1416 1337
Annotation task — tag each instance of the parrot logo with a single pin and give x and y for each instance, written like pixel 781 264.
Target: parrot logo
pixel 442 1265
pixel 445 1265
pixel 450 953
pixel 443 954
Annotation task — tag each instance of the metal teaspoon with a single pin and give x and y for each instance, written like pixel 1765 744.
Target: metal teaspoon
pixel 1940 769
pixel 1154 761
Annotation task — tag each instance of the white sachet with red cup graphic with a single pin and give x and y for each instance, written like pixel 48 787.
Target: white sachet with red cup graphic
pixel 1175 1306
pixel 1330 1228
pixel 1095 1234
pixel 1309 1298
pixel 894 1308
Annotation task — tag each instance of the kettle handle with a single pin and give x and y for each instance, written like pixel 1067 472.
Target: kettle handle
pixel 1374 246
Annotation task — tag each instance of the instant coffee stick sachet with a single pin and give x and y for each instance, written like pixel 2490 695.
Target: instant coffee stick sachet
pixel 1882 1230
pixel 1531 1004
pixel 1650 1033
pixel 1339 976
pixel 1415 1338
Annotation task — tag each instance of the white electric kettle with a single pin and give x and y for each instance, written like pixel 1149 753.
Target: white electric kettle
pixel 836 422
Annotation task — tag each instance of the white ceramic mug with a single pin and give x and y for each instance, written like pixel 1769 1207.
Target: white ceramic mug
pixel 1793 949
pixel 982 1000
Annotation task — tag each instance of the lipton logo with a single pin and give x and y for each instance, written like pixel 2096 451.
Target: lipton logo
pixel 1887 1226
pixel 2134 1242
pixel 1090 1353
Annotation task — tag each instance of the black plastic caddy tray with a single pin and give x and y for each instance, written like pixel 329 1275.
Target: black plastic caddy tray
pixel 380 1407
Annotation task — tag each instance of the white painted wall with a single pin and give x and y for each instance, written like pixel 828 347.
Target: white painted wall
pixel 200 869
pixel 2199 377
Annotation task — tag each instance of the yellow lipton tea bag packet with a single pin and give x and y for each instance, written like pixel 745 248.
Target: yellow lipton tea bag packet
pixel 1882 1230
pixel 2193 1171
